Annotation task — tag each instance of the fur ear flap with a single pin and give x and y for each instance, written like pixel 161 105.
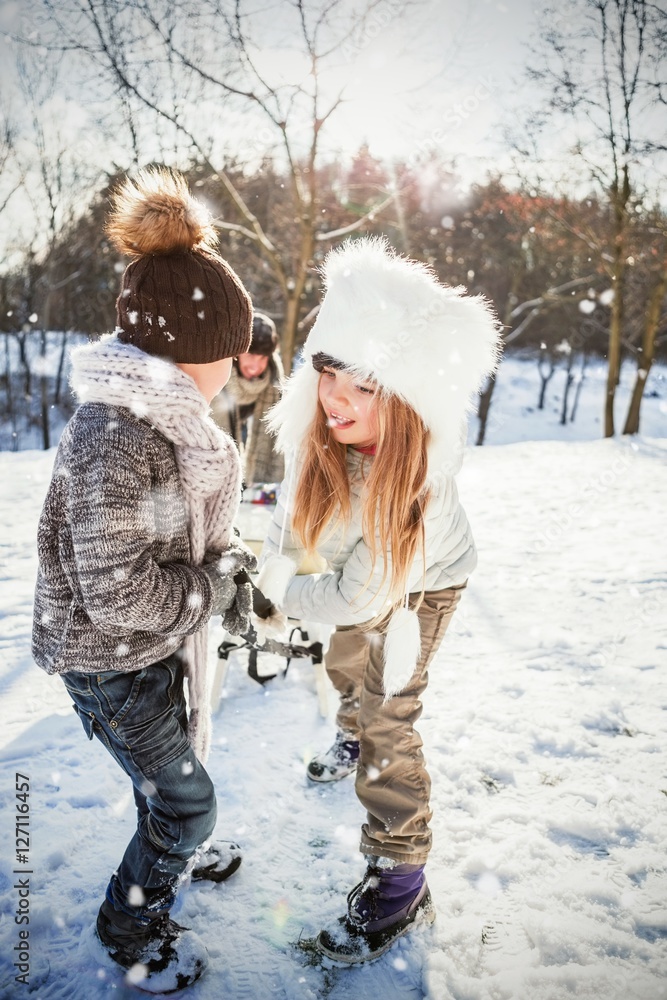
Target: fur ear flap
pixel 402 646
pixel 275 576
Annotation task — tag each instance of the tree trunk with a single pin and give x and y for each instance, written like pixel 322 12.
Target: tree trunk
pixel 10 395
pixel 288 339
pixel 619 202
pixel 569 378
pixel 8 371
pixel 44 395
pixel 545 382
pixel 648 351
pixel 487 393
pixel 580 384
pixel 23 355
pixel 484 407
pixel 61 365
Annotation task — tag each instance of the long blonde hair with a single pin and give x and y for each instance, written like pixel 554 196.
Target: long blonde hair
pixel 394 494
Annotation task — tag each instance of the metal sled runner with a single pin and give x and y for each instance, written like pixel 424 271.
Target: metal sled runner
pixel 290 650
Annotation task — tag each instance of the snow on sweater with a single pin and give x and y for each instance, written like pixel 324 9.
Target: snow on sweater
pixel 115 588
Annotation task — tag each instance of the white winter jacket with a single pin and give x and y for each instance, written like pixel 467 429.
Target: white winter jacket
pixel 331 597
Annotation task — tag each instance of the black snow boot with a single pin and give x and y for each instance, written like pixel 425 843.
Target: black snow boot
pixel 217 862
pixel 159 956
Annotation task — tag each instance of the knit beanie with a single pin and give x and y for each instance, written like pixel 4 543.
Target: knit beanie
pixel 179 299
pixel 264 335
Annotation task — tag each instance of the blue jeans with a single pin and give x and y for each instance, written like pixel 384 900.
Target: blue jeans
pixel 140 717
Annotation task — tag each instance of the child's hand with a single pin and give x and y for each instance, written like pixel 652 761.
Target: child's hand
pixel 236 618
pixel 235 557
pixel 223 586
pixel 266 619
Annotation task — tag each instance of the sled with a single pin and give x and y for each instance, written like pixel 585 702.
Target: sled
pixel 305 649
pixel 254 516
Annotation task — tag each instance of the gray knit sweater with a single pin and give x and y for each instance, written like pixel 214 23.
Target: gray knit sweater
pixel 115 588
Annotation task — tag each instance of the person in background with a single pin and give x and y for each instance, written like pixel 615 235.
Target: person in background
pixel 252 389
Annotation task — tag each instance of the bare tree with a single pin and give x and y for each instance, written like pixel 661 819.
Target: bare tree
pixel 603 64
pixel 56 180
pixel 651 326
pixel 546 368
pixel 187 63
pixel 11 174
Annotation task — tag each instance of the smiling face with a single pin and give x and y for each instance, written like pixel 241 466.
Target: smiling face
pixel 350 407
pixel 252 365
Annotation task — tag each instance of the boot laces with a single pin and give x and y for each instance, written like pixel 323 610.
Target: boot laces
pixel 368 894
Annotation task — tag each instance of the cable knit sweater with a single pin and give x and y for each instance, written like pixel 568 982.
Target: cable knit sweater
pixel 115 587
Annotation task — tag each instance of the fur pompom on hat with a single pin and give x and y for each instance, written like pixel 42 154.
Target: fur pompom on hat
pixel 388 319
pixel 179 299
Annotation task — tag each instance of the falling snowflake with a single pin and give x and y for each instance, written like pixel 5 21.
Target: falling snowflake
pixel 136 974
pixel 133 317
pixel 122 649
pixel 187 767
pixel 135 896
pixel 139 408
pixel 197 295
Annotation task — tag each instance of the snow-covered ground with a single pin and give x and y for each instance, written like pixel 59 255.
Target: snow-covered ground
pixel 545 727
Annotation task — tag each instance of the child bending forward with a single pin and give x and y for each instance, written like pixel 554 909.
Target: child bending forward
pixel 373 426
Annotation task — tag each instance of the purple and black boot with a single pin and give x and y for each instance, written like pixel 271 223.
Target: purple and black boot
pixel 384 906
pixel 338 761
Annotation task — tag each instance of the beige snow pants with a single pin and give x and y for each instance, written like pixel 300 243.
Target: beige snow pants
pixel 392 782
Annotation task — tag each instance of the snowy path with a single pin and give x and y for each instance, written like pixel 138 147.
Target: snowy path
pixel 546 733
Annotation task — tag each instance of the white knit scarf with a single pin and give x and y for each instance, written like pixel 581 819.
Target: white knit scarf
pixel 156 390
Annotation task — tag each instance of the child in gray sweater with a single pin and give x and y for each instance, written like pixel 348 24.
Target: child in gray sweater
pixel 137 551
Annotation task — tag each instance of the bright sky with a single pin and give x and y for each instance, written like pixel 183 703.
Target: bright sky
pixel 444 78
pixel 465 53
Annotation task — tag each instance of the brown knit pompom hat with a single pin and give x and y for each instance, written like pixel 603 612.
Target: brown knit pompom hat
pixel 179 299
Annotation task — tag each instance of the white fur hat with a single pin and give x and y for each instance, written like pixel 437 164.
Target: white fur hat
pixel 389 319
